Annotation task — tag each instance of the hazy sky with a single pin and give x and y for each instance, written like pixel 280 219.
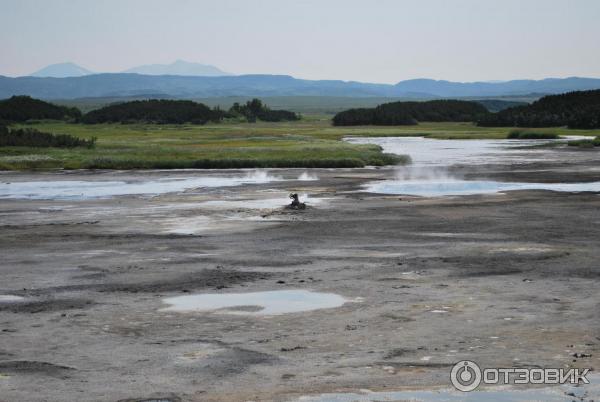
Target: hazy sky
pixel 373 41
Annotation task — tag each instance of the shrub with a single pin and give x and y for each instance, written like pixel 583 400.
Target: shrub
pixel 531 135
pixel 255 109
pixel 33 138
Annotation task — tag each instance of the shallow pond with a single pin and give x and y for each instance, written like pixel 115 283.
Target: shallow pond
pixel 431 152
pixel 80 189
pixel 256 303
pixel 428 175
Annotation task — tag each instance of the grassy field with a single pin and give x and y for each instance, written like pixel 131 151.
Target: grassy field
pixel 311 142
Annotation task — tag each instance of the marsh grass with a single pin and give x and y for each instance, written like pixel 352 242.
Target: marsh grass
pixel 311 142
pixel 30 137
pixel 591 143
pixel 239 145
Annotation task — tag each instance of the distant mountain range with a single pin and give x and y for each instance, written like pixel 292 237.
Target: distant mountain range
pixel 62 70
pixel 179 67
pixel 173 86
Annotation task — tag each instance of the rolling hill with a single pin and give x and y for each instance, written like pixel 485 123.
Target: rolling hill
pixel 179 67
pixel 111 85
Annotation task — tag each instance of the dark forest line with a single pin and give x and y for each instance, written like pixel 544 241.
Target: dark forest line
pixel 410 113
pixel 580 110
pixel 21 109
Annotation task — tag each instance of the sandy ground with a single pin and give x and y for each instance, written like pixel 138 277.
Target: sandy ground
pixel 507 280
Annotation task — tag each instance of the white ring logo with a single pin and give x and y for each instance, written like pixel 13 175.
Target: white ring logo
pixel 465 375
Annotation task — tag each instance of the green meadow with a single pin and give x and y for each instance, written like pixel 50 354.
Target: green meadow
pixel 310 142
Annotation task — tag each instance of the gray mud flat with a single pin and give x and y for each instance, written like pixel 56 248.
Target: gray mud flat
pixel 506 280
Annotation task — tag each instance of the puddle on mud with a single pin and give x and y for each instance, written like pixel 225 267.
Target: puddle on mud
pixel 257 303
pixel 80 189
pixel 565 393
pixel 432 188
pixel 10 298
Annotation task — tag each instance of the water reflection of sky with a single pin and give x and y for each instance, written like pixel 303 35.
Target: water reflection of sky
pixel 84 189
pixel 264 303
pixel 431 152
pixel 431 188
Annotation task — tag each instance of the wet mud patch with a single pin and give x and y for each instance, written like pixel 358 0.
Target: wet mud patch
pixel 286 261
pixel 4 354
pixel 208 278
pixel 494 271
pixel 35 367
pixel 230 362
pixel 404 365
pixel 154 398
pixel 129 236
pixel 399 352
pixel 502 264
pixel 590 273
pixel 396 317
pixel 90 276
pixel 52 224
pixel 40 306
